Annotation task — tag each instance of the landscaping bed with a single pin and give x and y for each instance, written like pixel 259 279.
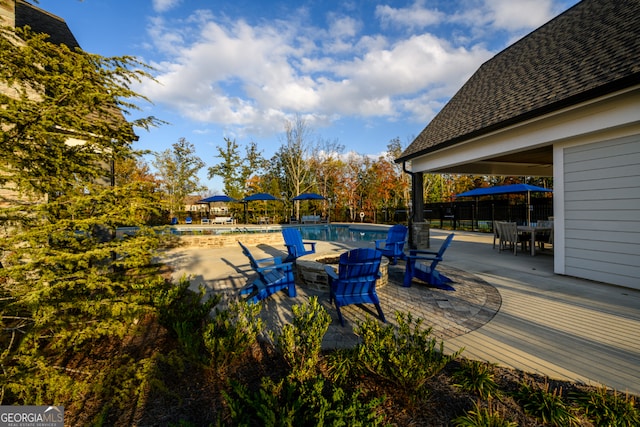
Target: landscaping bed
pixel 187 393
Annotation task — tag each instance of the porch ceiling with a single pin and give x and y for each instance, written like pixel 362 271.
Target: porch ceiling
pixel 534 162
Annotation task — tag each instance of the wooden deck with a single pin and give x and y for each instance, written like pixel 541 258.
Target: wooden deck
pixel 554 325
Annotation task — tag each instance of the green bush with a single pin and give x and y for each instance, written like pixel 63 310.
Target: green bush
pixel 232 332
pixel 483 417
pixel 309 403
pixel 547 406
pixel 186 314
pixel 301 342
pixel 610 408
pixel 477 378
pixel 342 364
pixel 406 356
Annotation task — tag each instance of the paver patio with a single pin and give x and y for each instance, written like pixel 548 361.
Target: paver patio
pixel 509 310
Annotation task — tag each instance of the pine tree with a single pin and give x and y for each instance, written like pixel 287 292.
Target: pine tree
pixel 67 278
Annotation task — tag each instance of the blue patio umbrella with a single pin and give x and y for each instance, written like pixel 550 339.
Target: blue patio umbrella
pixel 508 189
pixel 217 198
pixel 259 196
pixel 503 189
pixel 214 199
pixel 308 196
pixel 256 197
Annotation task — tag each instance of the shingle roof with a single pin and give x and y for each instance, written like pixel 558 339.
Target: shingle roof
pixel 590 50
pixel 41 21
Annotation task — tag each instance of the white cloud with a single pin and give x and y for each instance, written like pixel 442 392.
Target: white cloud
pixel 165 5
pixel 249 78
pixel 515 15
pixel 414 16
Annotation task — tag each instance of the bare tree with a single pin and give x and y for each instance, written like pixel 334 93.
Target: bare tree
pixel 325 162
pixel 294 154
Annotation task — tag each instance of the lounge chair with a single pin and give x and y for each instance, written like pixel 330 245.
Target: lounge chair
pixel 296 247
pixel 273 276
pixel 223 220
pixel 427 273
pixel 393 246
pixel 310 219
pixel 355 281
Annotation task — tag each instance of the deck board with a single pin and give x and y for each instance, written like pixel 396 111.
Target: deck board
pixel 553 325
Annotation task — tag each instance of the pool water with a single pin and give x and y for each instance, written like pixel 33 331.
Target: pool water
pixel 322 232
pixel 342 233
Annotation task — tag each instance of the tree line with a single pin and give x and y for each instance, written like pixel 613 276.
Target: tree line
pixel 351 183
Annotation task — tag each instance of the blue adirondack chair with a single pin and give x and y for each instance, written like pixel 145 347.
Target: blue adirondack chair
pixel 393 246
pixel 296 247
pixel 355 282
pixel 273 276
pixel 428 273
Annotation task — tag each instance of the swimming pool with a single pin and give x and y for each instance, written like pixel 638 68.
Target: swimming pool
pixel 343 233
pixel 322 232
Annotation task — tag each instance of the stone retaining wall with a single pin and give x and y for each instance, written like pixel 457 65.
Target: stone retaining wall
pixel 229 240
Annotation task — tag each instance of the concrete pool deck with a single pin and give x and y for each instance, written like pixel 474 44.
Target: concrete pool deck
pixel 510 310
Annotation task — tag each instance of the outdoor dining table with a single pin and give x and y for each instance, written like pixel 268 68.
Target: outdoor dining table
pixel 533 229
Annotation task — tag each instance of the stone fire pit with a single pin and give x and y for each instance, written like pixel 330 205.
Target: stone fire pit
pixel 310 270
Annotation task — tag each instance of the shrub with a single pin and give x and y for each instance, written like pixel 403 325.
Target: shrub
pixel 309 403
pixel 342 364
pixel 477 378
pixel 407 357
pixel 610 408
pixel 301 342
pixel 232 332
pixel 549 407
pixel 186 314
pixel 483 417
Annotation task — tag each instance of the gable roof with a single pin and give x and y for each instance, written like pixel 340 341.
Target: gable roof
pixel 41 21
pixel 590 50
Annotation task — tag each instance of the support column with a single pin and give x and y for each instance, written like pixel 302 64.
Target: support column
pixel 416 217
pixel 420 231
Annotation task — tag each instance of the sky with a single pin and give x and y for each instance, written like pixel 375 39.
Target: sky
pixel 359 72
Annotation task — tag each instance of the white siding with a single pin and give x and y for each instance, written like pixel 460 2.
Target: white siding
pixel 602 211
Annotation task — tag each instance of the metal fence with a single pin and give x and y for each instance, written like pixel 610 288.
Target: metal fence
pixel 479 216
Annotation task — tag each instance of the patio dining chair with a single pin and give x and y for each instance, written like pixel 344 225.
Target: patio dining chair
pixel 510 237
pixel 496 233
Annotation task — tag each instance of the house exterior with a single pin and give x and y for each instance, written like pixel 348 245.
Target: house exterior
pixel 19 13
pixel 563 101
